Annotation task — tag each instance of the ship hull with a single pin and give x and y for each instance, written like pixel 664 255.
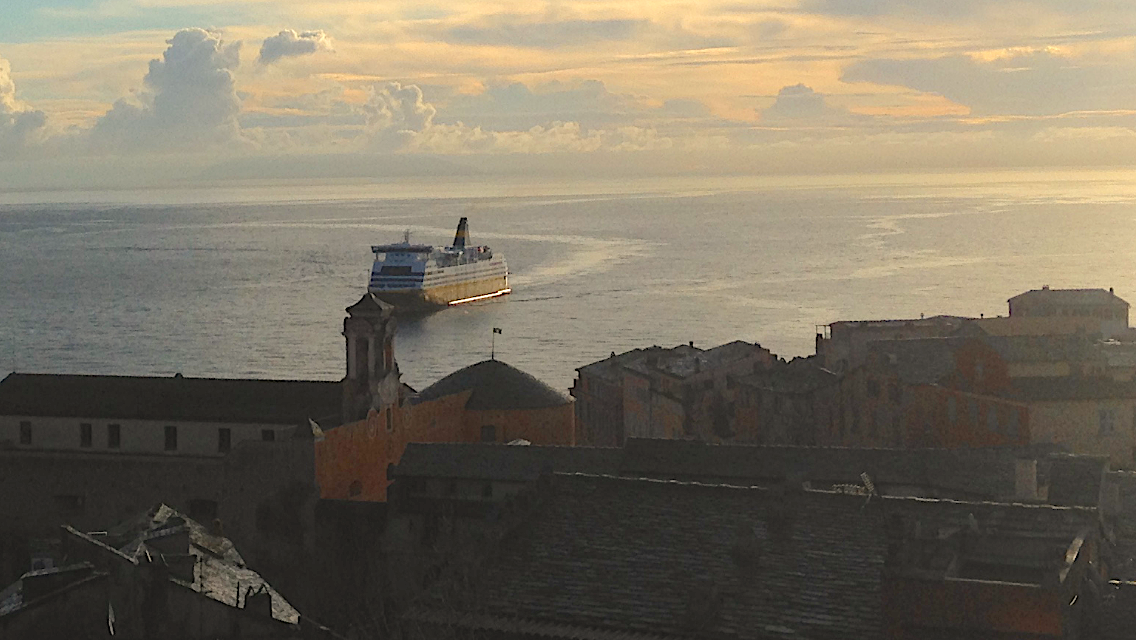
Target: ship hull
pixel 437 297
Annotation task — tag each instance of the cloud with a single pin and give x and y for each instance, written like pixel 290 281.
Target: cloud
pixel 189 99
pixel 799 103
pixel 20 125
pixel 517 106
pixel 394 114
pixel 288 43
pixel 960 9
pixel 515 31
pixel 1025 83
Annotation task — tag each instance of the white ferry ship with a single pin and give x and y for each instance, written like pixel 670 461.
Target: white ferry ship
pixel 419 276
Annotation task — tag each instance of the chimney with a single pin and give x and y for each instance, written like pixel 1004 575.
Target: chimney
pixel 259 601
pixel 1025 479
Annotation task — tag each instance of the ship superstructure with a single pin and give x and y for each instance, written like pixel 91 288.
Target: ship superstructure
pixel 418 276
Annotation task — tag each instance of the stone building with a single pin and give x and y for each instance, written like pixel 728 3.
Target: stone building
pixel 1088 415
pixel 1046 311
pixel 843 346
pixel 161 416
pixel 664 393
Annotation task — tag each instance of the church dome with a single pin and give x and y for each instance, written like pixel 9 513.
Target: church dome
pixel 496 385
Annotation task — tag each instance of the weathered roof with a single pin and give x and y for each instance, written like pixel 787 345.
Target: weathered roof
pixel 491 461
pixel 47 583
pixel 686 360
pixel 681 560
pixel 677 560
pixel 220 571
pixel 168 398
pixel 942 321
pixel 982 473
pixel 799 375
pixel 1060 297
pixel 977 473
pixel 1057 389
pixel 611 368
pixel 496 385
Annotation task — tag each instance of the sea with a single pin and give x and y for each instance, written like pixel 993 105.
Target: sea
pixel 251 280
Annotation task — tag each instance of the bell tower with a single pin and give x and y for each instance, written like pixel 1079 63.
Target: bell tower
pixel 372 380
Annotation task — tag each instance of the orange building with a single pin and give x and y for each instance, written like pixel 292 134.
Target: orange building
pixel 486 402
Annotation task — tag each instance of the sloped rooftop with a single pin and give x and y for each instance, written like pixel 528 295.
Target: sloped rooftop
pixel 172 398
pixel 981 473
pixel 491 461
pixel 220 572
pixel 985 473
pixel 496 385
pixel 607 556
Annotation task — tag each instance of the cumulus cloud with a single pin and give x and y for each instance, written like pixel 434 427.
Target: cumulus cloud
pixel 20 125
pixel 189 99
pixel 394 114
pixel 801 104
pixel 289 43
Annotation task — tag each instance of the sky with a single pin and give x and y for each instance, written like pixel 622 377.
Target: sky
pixel 142 92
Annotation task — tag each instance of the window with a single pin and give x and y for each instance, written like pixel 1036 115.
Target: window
pixel 487 490
pixel 224 439
pixel 390 419
pixel 992 419
pixel 355 489
pixel 114 436
pixel 1012 424
pixel 952 410
pixel 1107 421
pixel 267 435
pixel 873 388
pixel 488 433
pixel 972 411
pixel 25 432
pixel 85 434
pixel 171 438
pixel 895 393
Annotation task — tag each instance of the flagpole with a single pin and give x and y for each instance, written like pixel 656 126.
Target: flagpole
pixel 493 346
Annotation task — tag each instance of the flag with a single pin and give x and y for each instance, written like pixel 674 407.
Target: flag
pixel 496 330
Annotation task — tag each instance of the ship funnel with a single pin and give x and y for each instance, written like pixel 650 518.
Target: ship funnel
pixel 462 235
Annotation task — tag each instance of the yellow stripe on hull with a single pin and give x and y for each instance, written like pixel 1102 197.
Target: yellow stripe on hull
pixel 443 295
